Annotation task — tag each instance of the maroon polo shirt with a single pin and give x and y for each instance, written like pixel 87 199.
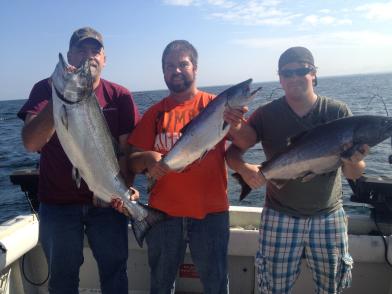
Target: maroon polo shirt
pixel 56 185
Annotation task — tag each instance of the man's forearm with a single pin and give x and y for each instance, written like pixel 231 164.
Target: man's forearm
pixel 242 136
pixel 234 158
pixel 38 129
pixel 141 161
pixel 353 171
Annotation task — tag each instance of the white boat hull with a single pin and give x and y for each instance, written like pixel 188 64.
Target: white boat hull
pixel 18 237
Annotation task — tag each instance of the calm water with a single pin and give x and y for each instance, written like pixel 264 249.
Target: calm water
pixel 361 92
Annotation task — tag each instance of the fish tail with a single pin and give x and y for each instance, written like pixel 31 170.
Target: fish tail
pixel 150 184
pixel 140 228
pixel 150 181
pixel 245 188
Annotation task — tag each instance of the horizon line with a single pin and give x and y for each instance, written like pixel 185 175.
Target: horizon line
pixel 227 85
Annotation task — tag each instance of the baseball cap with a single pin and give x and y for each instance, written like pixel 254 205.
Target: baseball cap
pixel 83 34
pixel 296 54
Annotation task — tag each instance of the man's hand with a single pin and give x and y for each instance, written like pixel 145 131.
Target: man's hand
pixel 118 204
pixel 358 155
pixel 234 116
pixel 354 166
pixel 155 166
pixel 252 175
pixel 158 170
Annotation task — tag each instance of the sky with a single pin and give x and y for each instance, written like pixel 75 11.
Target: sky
pixel 236 40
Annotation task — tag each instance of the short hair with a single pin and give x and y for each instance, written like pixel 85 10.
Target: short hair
pixel 296 54
pixel 180 46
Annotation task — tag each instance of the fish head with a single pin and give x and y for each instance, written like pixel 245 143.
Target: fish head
pixel 240 95
pixel 71 84
pixel 373 130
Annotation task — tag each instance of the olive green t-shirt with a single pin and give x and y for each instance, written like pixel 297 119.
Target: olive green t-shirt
pixel 275 123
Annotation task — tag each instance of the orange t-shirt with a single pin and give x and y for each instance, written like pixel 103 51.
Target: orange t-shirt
pixel 202 187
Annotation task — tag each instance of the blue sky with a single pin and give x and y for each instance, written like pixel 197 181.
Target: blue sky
pixel 235 39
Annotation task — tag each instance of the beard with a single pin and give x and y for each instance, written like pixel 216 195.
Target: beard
pixel 179 87
pixel 95 71
pixel 95 68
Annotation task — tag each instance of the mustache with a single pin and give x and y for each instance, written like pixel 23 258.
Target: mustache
pixel 179 75
pixel 92 62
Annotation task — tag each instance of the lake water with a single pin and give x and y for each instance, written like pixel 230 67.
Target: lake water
pixel 363 93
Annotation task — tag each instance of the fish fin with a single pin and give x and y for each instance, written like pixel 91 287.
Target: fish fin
pixel 117 149
pixel 98 202
pixel 150 180
pixel 151 183
pixel 140 228
pixel 184 128
pixel 203 155
pixel 245 188
pixel 390 156
pixel 278 183
pixel 64 116
pixel 308 177
pixel 295 138
pixel 76 176
pixel 196 161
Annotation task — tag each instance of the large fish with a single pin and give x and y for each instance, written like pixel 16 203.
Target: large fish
pixel 208 128
pixel 320 149
pixel 85 137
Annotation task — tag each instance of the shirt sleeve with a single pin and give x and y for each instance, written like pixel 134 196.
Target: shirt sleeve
pixel 38 99
pixel 344 111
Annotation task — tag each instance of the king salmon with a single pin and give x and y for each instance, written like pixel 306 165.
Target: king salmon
pixel 321 149
pixel 208 128
pixel 85 137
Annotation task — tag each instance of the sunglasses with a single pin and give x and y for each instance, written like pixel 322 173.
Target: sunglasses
pixel 299 72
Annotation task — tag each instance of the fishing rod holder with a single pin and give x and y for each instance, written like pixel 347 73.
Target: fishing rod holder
pixel 27 179
pixel 376 191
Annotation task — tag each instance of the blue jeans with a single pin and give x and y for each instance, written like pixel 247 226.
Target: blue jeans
pixel 208 241
pixel 62 229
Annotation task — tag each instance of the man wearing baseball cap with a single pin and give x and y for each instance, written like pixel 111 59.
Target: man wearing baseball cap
pixel 302 217
pixel 66 211
pixel 84 34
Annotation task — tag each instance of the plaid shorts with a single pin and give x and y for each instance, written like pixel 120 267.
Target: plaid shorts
pixel 283 240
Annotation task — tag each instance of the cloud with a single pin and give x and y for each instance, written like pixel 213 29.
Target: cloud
pixel 339 39
pixel 216 3
pixel 254 13
pixel 222 3
pixel 316 20
pixel 279 13
pixel 260 16
pixel 377 11
pixel 325 11
pixel 262 13
pixel 251 12
pixel 179 2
